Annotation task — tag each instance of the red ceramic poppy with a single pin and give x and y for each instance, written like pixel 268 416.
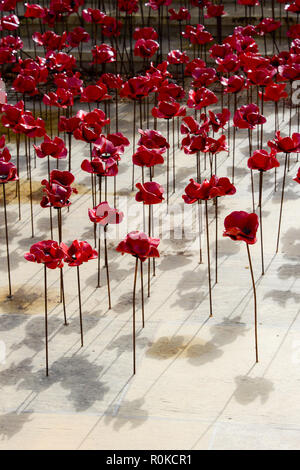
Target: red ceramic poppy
pixel 274 92
pixel 30 126
pixel 111 27
pixel 220 51
pixel 60 61
pixel 50 41
pixel 149 193
pixel 103 214
pixel 90 126
pixel 268 25
pixel 136 88
pixel 248 117
pixel 68 125
pixel 128 6
pixel 263 161
pixel 148 157
pixel 218 121
pixel 145 33
pixel 54 148
pixel 7 56
pixel 229 64
pixel 152 139
pixel 12 114
pixel 156 4
pixel 26 85
pixel 183 14
pixel 29 67
pixel 71 82
pixel 241 226
pixel 8 172
pixel 139 245
pixel 145 48
pixel 112 81
pixel 203 77
pixel 9 23
pixel 196 191
pixel 101 167
pixel 46 252
pixel 192 144
pixel 77 36
pixel 111 146
pixel 214 11
pixel 215 146
pixel 194 64
pixel 248 3
pixel 168 110
pixel 262 76
pixel 94 94
pixel 234 84
pixel 34 11
pixel 91 15
pixel 169 90
pixel 197 35
pixel 103 54
pixel 78 252
pixel 201 98
pixel 61 99
pixel 58 189
pixel 157 75
pixel 285 144
pixel 177 57
pixel 191 126
pixel 297 179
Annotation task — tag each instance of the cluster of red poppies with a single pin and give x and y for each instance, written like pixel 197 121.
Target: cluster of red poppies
pixel 94 64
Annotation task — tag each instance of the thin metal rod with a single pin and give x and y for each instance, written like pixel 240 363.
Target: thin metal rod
pixel 142 295
pixel 46 321
pixel 255 302
pixel 261 174
pixel 281 204
pixel 7 243
pixel 208 260
pixel 107 270
pixel 133 317
pixel 79 302
pixel 216 216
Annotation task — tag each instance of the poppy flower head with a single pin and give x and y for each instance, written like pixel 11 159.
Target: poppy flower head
pixel 168 110
pixel 152 139
pixel 248 117
pixel 285 144
pixel 263 161
pixel 54 148
pixel 58 189
pixel 103 214
pixel 46 252
pixel 182 14
pixel 147 157
pixel 201 98
pixel 149 193
pixel 297 179
pixel 145 48
pixel 241 226
pixel 139 245
pixel 8 171
pixel 78 252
